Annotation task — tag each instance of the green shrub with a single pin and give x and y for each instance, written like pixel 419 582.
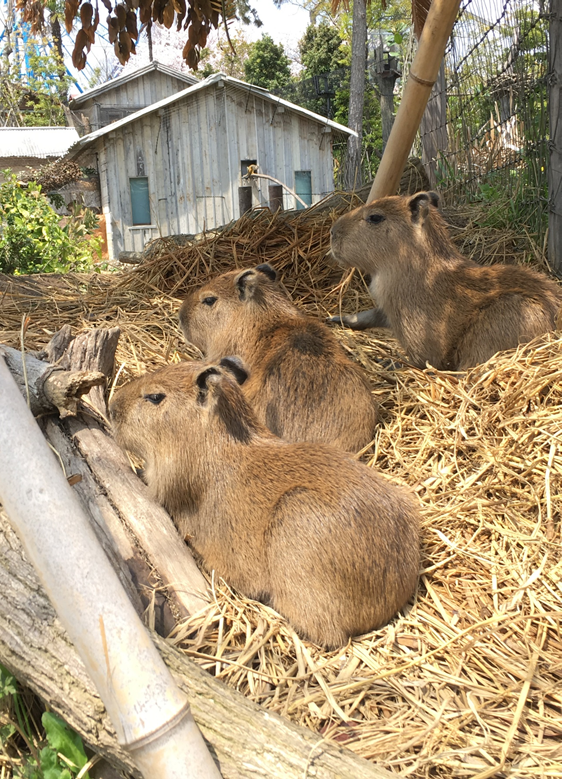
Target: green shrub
pixel 33 238
pixel 55 753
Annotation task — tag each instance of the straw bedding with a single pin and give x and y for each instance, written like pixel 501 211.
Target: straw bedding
pixel 468 680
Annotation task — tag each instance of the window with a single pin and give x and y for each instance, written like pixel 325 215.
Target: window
pixel 245 164
pixel 303 187
pixel 140 201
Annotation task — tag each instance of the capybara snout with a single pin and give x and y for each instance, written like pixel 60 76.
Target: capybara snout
pixel 302 385
pixel 321 537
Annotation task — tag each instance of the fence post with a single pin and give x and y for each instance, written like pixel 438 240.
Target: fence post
pixel 555 145
pixel 244 200
pixel 276 197
pixel 433 127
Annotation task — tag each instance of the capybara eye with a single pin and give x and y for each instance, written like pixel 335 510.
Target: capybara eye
pixel 375 219
pixel 210 300
pixel 155 398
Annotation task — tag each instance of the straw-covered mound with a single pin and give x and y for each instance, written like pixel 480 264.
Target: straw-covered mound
pixel 468 681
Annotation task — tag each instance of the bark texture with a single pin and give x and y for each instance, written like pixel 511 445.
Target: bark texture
pixel 247 740
pixel 356 94
pixel 46 387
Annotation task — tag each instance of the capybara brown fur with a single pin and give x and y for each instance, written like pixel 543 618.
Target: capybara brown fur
pixel 302 385
pixel 443 308
pixel 322 538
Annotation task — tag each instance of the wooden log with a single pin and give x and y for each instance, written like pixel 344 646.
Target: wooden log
pixel 247 740
pixel 93 350
pixel 122 549
pixel 150 524
pixel 47 387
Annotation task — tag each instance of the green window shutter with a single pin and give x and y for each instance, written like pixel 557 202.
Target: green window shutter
pixel 303 187
pixel 140 201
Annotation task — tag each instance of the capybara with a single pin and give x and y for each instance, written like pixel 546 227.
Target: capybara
pixel 442 307
pixel 302 385
pixel 322 538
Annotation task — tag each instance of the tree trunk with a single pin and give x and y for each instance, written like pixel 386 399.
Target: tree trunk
pixel 353 176
pixel 247 740
pixel 555 145
pixel 61 70
pixel 433 127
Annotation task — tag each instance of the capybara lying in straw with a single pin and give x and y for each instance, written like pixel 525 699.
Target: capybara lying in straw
pixel 442 307
pixel 302 385
pixel 321 537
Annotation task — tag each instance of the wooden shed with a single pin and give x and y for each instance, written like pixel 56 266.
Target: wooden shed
pixel 96 108
pixel 175 167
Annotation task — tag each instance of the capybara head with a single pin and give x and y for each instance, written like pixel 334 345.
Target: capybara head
pixel 372 236
pixel 200 398
pixel 229 304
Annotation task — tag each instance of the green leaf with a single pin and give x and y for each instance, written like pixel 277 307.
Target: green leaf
pixel 64 740
pixel 6 732
pixel 50 765
pixel 7 683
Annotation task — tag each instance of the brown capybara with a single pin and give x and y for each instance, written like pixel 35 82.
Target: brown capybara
pixel 302 385
pixel 443 308
pixel 322 538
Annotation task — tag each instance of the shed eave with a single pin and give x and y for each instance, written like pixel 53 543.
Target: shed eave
pixel 115 83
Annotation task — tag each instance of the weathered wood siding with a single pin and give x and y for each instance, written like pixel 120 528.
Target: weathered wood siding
pixel 131 96
pixel 191 153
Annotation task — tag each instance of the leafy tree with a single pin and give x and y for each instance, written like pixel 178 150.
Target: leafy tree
pixel 37 100
pixel 32 238
pixel 267 65
pixel 320 49
pixel 221 59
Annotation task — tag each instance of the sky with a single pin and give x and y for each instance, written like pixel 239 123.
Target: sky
pixel 286 25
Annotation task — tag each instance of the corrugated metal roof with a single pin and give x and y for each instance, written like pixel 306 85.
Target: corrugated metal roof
pixel 38 142
pixel 114 83
pixel 86 140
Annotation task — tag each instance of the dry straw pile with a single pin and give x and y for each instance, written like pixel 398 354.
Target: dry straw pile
pixel 468 681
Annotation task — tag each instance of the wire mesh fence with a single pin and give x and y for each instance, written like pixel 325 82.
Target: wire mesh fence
pixel 484 136
pixel 495 147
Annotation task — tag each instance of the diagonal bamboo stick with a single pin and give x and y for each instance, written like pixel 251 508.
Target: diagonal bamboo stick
pixel 422 76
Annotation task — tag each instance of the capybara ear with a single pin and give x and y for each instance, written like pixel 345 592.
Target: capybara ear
pixel 204 381
pixel 246 282
pixel 235 366
pixel 435 199
pixel 266 268
pixel 419 205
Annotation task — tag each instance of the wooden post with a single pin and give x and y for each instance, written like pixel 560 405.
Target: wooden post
pixel 555 145
pixel 244 199
pixel 422 76
pixel 386 74
pixel 275 197
pixel 433 128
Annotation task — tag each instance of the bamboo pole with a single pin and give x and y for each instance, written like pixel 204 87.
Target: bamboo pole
pixel 422 77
